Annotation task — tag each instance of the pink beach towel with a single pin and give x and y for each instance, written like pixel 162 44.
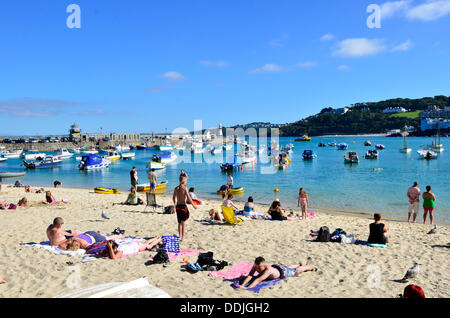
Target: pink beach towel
pixel 183 253
pixel 237 271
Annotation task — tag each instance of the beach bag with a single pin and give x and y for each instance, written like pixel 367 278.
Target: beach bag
pixel 169 209
pixel 324 234
pixel 161 257
pixel 336 235
pixel 171 244
pixel 205 259
pixel 96 248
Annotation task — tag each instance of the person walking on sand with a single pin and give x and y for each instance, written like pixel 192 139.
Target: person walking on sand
pixel 303 201
pixel 180 199
pixel 413 194
pixel 153 179
pixel 134 178
pixel 429 203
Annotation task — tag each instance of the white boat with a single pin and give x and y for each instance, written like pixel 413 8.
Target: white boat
pixel 127 155
pixel 227 147
pixel 12 174
pixel 121 148
pixel 261 149
pixel 2 158
pixel 156 165
pixel 405 148
pixel 247 157
pixel 75 150
pixel 63 154
pixel 427 154
pixel 197 148
pixel 93 162
pixel 91 151
pixel 112 156
pixel 215 150
pixel 166 157
pixel 32 155
pixel 436 145
pixel 12 154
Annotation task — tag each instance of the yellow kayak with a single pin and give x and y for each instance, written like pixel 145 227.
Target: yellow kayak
pixel 146 186
pixel 106 190
pixel 233 191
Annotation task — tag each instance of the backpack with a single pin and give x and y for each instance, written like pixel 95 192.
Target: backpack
pixel 324 234
pixel 336 235
pixel 161 257
pixel 205 259
pixel 169 209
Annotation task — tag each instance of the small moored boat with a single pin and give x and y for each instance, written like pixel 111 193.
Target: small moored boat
pixel 372 154
pixel 309 155
pixel 351 157
pixel 92 161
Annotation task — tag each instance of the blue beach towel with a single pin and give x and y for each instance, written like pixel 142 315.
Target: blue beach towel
pixel 358 242
pixel 171 244
pixel 257 288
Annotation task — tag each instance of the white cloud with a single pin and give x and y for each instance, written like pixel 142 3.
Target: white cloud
pixel 359 47
pixel 388 9
pixel 430 10
pixel 343 68
pixel 35 107
pixel 405 46
pixel 268 68
pixel 173 76
pixel 216 64
pixel 279 42
pixel 327 37
pixel 306 64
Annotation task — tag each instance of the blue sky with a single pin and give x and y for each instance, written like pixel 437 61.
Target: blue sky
pixel 146 65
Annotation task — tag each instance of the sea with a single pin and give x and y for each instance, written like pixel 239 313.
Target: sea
pixel 364 188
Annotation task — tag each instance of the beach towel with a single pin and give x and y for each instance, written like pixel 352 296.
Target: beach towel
pixel 229 216
pixel 55 249
pixel 182 253
pixel 235 272
pixel 257 288
pixel 358 242
pixel 171 243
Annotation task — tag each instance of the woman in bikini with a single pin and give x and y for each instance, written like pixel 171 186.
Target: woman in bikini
pixel 49 198
pixel 84 240
pixel 303 201
pixel 116 251
pixel 277 213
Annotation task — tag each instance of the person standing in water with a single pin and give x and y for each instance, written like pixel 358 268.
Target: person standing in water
pixel 230 181
pixel 429 202
pixel 180 199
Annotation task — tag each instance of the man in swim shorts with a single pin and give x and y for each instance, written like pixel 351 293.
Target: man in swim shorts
pixel 267 272
pixel 414 201
pixel 56 235
pixel 153 179
pixel 180 199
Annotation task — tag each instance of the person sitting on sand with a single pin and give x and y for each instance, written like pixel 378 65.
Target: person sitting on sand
pixel 192 194
pixel 249 209
pixel 378 231
pixel 266 272
pixel 229 204
pixel 215 216
pixel 84 240
pixel 17 184
pixel 49 198
pixel 133 198
pixel 2 280
pixel 116 251
pixel 23 203
pixel 56 235
pixel 277 213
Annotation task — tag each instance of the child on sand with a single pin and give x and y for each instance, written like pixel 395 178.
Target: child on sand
pixel 303 201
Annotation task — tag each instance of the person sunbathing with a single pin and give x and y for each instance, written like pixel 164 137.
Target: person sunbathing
pixel 84 240
pixel 56 234
pixel 23 203
pixel 378 231
pixel 266 272
pixel 277 213
pixel 4 205
pixel 2 281
pixel 249 210
pixel 116 251
pixel 29 189
pixel 215 216
pixel 133 198
pixel 229 203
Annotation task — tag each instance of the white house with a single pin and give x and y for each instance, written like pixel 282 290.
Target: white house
pixel 393 110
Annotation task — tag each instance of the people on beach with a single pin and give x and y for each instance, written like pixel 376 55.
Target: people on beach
pixel 378 231
pixel 223 190
pixel 183 174
pixel 49 198
pixel 215 215
pixel 57 184
pixel 86 239
pixel 180 199
pixel 2 280
pixel 133 198
pixel 429 203
pixel 249 209
pixel 56 234
pixel 277 213
pixel 23 203
pixel 303 201
pixel 18 184
pixel 134 177
pixel 230 181
pixel 267 272
pixel 413 195
pixel 29 189
pixel 413 291
pixel 153 179
pixel 229 203
pixel 114 250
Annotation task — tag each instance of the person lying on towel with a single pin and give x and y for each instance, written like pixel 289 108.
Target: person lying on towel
pixel 116 251
pixel 84 240
pixel 267 272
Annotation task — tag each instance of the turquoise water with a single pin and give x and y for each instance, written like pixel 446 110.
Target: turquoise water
pixel 372 185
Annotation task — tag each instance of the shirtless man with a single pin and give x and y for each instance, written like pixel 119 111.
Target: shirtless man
pixel 180 199
pixel 153 179
pixel 267 272
pixel 56 235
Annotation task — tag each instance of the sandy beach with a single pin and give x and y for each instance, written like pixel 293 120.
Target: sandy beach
pixel 343 269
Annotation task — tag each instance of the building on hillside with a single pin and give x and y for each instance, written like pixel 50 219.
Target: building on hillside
pixel 340 111
pixel 435 112
pixel 394 110
pixel 432 123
